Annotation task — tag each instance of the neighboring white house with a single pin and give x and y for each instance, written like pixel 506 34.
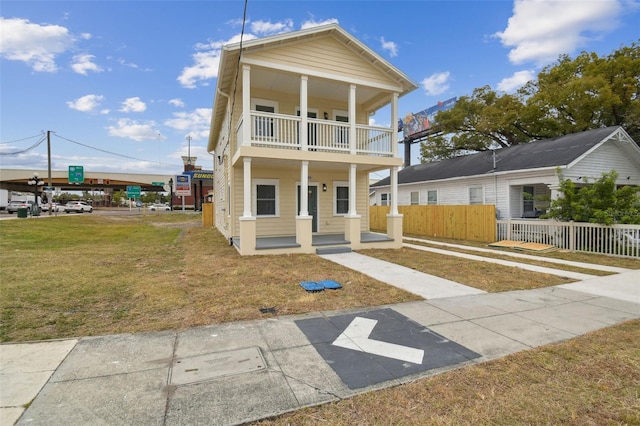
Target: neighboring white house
pixel 505 176
pixel 281 190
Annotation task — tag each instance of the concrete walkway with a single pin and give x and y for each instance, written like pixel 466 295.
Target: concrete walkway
pixel 238 372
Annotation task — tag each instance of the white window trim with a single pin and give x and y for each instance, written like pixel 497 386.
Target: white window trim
pixel 411 198
pixel 481 188
pixel 437 196
pixel 336 184
pixel 264 102
pixel 254 196
pixel 388 194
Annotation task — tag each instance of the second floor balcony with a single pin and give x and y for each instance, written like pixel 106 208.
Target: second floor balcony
pixel 281 131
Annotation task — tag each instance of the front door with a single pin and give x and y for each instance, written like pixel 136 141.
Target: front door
pixel 313 205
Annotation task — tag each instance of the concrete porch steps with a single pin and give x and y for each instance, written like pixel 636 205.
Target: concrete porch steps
pixel 333 250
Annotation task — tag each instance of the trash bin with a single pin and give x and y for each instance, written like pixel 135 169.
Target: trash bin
pixel 35 210
pixel 22 212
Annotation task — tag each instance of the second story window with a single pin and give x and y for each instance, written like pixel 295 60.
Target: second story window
pixel 263 125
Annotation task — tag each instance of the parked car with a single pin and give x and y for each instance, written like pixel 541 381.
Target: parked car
pixel 77 207
pixel 55 207
pixel 14 205
pixel 158 207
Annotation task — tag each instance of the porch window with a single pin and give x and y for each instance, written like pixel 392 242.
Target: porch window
pixel 527 200
pixel 264 127
pixel 385 199
pixel 341 201
pixel 342 133
pixel 415 198
pixel 476 195
pixel 432 197
pixel 266 197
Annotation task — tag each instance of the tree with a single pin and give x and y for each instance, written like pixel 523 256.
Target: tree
pixel 597 202
pixel 570 96
pixel 118 196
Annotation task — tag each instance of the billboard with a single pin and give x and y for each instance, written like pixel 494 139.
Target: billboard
pixel 421 122
pixel 183 185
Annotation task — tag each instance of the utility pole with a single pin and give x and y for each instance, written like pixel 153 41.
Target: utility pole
pixel 50 183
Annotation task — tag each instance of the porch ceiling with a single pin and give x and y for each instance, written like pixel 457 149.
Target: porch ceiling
pixel 281 82
pixel 313 165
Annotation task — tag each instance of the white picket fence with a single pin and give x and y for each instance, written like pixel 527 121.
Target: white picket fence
pixel 616 240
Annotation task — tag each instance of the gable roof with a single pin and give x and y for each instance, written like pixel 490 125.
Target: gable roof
pixel 230 60
pixel 547 153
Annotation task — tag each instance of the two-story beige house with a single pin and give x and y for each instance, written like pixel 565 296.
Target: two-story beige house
pixel 293 146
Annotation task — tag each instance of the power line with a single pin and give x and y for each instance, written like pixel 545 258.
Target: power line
pixel 42 139
pixel 110 152
pixel 23 139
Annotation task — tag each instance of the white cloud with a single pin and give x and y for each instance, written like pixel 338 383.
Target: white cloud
pixel 83 63
pixel 540 31
pixel 86 103
pixel 133 105
pixel 196 122
pixel 313 23
pixel 436 84
pixel 517 80
pixel 268 28
pixel 138 131
pixel 178 103
pixel 390 47
pixel 206 62
pixel 34 44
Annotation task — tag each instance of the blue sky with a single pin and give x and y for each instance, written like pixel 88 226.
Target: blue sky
pixel 136 78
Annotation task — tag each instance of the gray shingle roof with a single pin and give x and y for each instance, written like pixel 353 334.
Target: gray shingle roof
pixel 555 152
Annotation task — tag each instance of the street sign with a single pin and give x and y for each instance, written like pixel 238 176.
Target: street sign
pixel 133 191
pixel 76 174
pixel 157 183
pixel 48 188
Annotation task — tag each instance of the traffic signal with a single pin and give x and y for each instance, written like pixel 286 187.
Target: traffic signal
pixel 90 181
pixel 106 181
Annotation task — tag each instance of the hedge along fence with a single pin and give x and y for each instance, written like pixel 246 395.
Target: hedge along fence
pixel 471 223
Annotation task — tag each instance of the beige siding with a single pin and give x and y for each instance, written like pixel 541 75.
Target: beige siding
pixel 284 224
pixel 323 55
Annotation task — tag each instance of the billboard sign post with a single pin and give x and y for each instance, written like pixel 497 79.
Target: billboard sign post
pixel 183 187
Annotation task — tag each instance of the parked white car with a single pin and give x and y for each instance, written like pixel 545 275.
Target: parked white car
pixel 159 207
pixel 55 207
pixel 77 207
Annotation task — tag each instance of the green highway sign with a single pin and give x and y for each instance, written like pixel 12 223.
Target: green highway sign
pixel 157 183
pixel 133 191
pixel 76 174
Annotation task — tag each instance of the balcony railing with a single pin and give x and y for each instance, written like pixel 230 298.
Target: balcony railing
pixel 283 131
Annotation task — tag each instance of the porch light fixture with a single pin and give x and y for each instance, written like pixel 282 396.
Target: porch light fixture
pixel 219 159
pixel 324 187
pixel 326 115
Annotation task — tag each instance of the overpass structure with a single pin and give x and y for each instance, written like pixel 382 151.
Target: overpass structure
pixel 17 180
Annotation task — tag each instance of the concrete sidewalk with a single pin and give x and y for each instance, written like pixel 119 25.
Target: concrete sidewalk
pixel 238 372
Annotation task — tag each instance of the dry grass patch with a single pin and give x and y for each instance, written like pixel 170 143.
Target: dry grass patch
pixel 481 275
pixel 590 380
pixel 91 275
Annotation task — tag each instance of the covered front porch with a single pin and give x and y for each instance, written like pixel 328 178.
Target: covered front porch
pixel 322 243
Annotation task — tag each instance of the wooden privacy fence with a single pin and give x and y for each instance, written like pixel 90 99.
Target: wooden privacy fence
pixel 459 222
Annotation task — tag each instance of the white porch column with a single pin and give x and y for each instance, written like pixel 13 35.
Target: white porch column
pixel 246 106
pixel 394 190
pixel 304 107
pixel 352 119
pixel 394 124
pixel 247 187
pixel 352 190
pixel 394 219
pixel 304 189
